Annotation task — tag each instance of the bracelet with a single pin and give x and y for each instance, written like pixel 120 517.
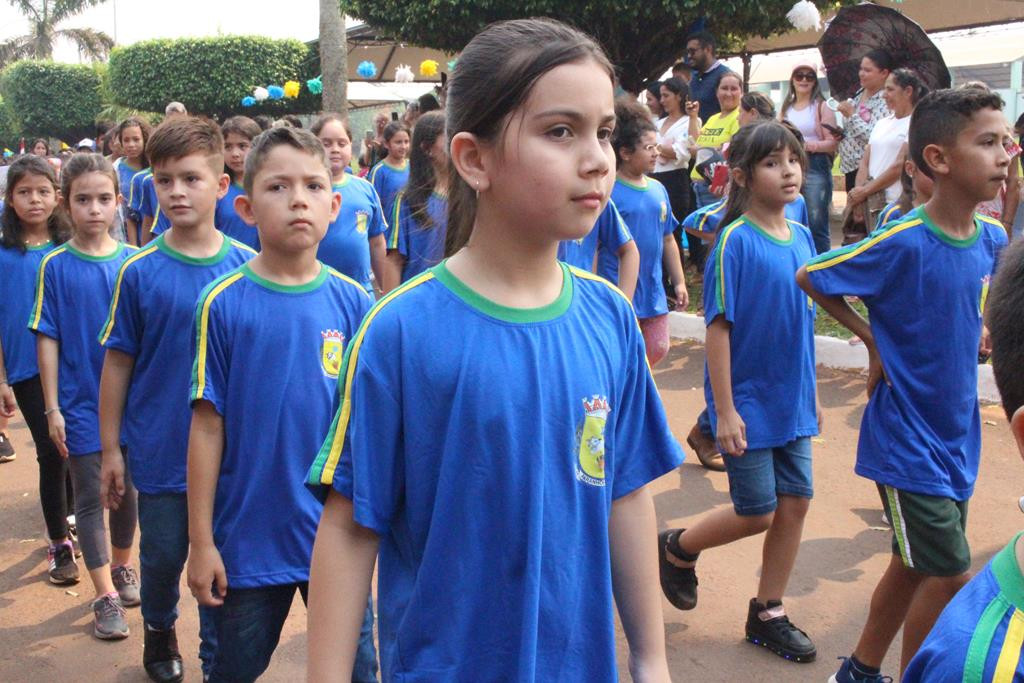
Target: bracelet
pixel 56 409
pixel 4 381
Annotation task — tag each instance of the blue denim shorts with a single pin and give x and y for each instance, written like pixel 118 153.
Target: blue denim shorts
pixel 758 477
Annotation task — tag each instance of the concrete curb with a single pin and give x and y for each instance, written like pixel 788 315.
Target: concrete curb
pixel 830 352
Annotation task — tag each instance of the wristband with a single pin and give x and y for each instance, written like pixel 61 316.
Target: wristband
pixel 51 410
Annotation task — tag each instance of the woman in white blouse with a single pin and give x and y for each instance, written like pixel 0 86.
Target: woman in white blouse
pixel 676 132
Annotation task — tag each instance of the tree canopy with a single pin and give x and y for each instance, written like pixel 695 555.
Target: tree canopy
pixel 50 99
pixel 44 19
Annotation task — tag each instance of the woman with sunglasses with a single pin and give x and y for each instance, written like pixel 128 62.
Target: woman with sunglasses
pixel 863 112
pixel 805 108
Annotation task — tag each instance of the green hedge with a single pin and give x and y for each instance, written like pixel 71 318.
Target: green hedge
pixel 9 134
pixel 50 99
pixel 211 75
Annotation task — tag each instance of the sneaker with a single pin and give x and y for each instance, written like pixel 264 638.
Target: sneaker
pixel 7 453
pixel 126 581
pixel 108 622
pixel 73 536
pixel 160 656
pixel 678 584
pixel 776 632
pixel 63 568
pixel 847 675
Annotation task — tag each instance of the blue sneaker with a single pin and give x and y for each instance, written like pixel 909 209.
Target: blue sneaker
pixel 845 675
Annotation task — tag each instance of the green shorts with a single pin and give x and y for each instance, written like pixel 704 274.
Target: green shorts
pixel 928 532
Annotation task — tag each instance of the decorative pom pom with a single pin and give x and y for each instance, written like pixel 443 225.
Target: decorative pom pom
pixel 315 85
pixel 248 101
pixel 804 16
pixel 367 69
pixel 452 63
pixel 428 68
pixel 292 88
pixel 404 74
pixel 276 92
pixel 260 93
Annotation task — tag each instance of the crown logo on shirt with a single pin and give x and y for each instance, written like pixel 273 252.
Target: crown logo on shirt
pixel 597 406
pixel 590 453
pixel 331 352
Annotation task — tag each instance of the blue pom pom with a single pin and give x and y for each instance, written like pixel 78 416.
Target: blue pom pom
pixel 276 92
pixel 248 101
pixel 367 69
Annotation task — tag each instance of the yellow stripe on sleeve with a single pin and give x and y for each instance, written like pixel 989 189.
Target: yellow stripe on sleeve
pixel 37 309
pixel 1009 656
pixel 864 246
pixel 202 337
pixel 109 326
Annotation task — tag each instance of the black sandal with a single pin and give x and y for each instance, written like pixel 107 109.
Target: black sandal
pixel 677 583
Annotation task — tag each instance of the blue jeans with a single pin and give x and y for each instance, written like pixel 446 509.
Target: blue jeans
pixel 817 193
pixel 163 550
pixel 759 476
pixel 249 627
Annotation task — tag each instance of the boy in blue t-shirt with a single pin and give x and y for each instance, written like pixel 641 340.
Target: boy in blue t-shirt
pixel 146 372
pixel 978 636
pixel 291 316
pixel 920 438
pixel 609 240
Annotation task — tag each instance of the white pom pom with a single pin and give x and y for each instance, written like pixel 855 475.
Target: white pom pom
pixel 260 94
pixel 404 74
pixel 804 16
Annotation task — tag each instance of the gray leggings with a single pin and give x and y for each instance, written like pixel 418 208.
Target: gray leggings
pixel 92 535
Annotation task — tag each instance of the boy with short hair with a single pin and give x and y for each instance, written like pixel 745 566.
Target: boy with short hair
pixel 269 342
pixel 146 372
pixel 920 438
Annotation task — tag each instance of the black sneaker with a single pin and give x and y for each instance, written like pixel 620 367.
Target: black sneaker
pixel 7 453
pixel 63 569
pixel 678 584
pixel 777 633
pixel 160 656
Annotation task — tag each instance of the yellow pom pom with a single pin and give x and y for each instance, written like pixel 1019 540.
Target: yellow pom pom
pixel 428 68
pixel 291 89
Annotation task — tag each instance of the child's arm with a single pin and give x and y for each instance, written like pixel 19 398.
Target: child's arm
pixel 629 268
pixel 673 264
pixel 7 402
pixel 147 230
pixel 48 351
pixel 632 530
pixel 205 449
pixel 114 380
pixel 378 259
pixel 732 431
pixel 393 265
pixel 131 231
pixel 339 583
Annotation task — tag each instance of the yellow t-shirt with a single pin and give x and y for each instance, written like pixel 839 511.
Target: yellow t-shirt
pixel 716 132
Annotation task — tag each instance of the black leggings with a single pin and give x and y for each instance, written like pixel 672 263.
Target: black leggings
pixel 55 491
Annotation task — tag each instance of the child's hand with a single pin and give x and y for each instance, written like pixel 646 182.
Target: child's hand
pixel 648 672
pixel 731 432
pixel 55 420
pixel 7 402
pixel 876 372
pixel 682 297
pixel 205 571
pixel 112 479
pixel 985 348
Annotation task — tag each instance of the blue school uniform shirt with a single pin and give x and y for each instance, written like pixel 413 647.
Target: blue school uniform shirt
pixel 648 213
pixel 125 173
pixel 609 232
pixel 133 194
pixel 346 246
pixel 750 279
pixel 979 635
pixel 890 213
pixel 389 180
pixel 151 318
pixel 491 483
pixel 707 218
pixel 17 291
pixel 267 358
pixel 422 246
pixel 925 294
pixel 149 206
pixel 71 303
pixel 231 224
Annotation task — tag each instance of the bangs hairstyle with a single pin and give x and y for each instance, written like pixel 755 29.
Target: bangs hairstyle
pixel 181 136
pixel 497 71
pixel 393 129
pixel 80 164
pixel 242 126
pixel 296 138
pixel 144 128
pixel 319 124
pixel 1006 325
pixel 940 116
pixel 11 230
pixel 747 148
pixel 631 122
pixel 422 178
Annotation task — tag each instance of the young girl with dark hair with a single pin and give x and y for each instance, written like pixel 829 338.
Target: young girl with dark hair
pixel 132 135
pixel 391 174
pixel 238 132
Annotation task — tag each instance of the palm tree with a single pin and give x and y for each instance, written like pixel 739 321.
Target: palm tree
pixel 333 56
pixel 44 17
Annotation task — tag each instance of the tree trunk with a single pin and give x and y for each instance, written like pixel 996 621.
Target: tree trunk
pixel 333 56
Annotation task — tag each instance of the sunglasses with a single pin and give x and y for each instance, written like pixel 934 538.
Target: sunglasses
pixel 804 76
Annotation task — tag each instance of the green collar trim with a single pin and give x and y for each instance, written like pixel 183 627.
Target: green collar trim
pixel 286 289
pixel 952 241
pixel 1008 574
pixel 39 247
pixel 776 240
pixel 96 259
pixel 405 165
pixel 347 177
pixel 633 186
pixel 505 313
pixel 162 245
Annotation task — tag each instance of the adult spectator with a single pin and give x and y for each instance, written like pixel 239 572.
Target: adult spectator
pixel 40 147
pixel 373 146
pixel 175 108
pixel 676 131
pixel 804 107
pixel 707 72
pixel 652 98
pixel 863 112
pixel 682 71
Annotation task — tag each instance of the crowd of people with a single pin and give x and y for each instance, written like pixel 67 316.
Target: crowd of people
pixel 286 369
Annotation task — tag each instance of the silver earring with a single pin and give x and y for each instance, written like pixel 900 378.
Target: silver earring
pixel 1020 503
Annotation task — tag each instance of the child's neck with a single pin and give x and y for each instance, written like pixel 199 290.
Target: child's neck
pixel 202 240
pixel 394 161
pixel 286 268
pixel 134 162
pixel 951 211
pixel 338 177
pixel 99 244
pixel 631 176
pixel 769 217
pixel 35 234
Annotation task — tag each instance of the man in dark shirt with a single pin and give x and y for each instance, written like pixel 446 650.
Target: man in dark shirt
pixel 707 71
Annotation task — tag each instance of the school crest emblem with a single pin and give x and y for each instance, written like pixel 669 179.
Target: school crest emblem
pixel 362 219
pixel 590 441
pixel 331 351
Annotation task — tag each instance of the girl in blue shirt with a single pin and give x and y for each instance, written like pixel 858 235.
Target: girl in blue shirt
pixel 391 174
pixel 132 134
pixel 238 132
pixel 496 415
pixel 760 347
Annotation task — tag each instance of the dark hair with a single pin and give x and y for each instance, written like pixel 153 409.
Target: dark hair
pixel 906 200
pixel 705 38
pixel 80 164
pixel 182 135
pixel 265 142
pixel 940 116
pixel 37 141
pixel 681 66
pixel 263 121
pixel 497 71
pixel 908 78
pixel 654 87
pixel 144 128
pixel 422 178
pixel 747 148
pixel 324 119
pixel 293 119
pixel 678 87
pixel 11 233
pixel 1006 325
pixel 428 102
pixel 881 58
pixel 755 101
pixel 393 129
pixel 1019 125
pixel 242 126
pixel 631 122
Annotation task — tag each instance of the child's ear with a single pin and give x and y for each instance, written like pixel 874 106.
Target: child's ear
pixel 1017 429
pixel 223 183
pixel 936 158
pixel 739 178
pixel 473 160
pixel 335 205
pixel 243 207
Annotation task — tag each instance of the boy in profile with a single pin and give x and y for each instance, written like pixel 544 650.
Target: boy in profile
pixel 920 439
pixel 146 371
pixel 269 343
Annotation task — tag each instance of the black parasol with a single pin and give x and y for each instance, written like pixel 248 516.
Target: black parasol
pixel 859 28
